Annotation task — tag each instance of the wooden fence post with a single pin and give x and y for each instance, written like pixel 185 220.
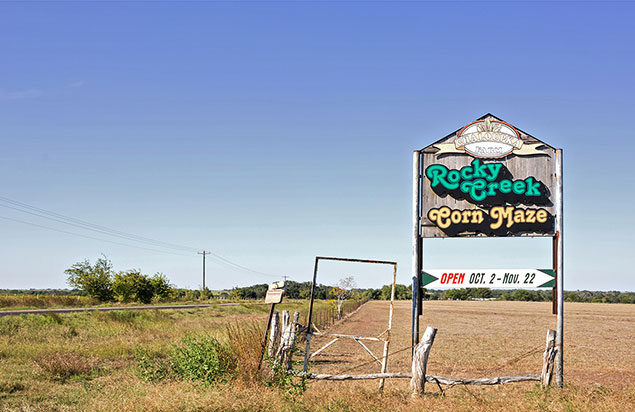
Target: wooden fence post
pixel 420 361
pixel 274 334
pixel 293 326
pixel 548 358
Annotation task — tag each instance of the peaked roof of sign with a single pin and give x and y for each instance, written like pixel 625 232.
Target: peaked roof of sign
pixel 522 132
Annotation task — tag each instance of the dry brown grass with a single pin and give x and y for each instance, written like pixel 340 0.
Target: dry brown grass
pixel 62 366
pixel 475 339
pixel 45 301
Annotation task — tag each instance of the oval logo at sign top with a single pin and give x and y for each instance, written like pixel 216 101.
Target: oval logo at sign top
pixel 488 139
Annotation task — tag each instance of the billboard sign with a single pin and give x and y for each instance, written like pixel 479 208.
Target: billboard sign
pixel 487 179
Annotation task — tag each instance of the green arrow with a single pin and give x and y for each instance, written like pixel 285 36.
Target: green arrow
pixel 549 272
pixel 427 278
pixel 551 282
pixel 547 284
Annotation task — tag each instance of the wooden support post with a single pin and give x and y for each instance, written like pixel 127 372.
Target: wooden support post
pixel 284 333
pixel 548 358
pixel 420 361
pixel 293 327
pixel 287 339
pixel 274 335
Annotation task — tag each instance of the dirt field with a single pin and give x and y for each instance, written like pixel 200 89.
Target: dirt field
pixel 493 338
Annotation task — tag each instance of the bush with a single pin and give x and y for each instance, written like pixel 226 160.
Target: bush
pixel 206 359
pixel 95 281
pixel 161 286
pixel 132 285
pixel 203 358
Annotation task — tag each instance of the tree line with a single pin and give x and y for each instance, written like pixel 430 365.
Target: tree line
pixel 542 295
pixel 101 282
pixel 302 290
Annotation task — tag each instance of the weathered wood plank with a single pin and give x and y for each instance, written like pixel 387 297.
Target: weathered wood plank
pixel 420 361
pixel 444 380
pixel 323 348
pixel 548 358
pixel 499 380
pixel 274 334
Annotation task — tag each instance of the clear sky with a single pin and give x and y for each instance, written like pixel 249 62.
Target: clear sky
pixel 273 132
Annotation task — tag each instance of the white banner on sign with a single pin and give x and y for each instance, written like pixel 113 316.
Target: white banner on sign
pixel 487 278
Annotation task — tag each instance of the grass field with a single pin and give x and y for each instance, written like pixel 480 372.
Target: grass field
pixel 90 361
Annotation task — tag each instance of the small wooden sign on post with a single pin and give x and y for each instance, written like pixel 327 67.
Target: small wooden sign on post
pixel 273 296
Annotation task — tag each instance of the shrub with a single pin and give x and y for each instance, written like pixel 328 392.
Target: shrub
pixel 161 286
pixel 96 281
pixel 203 358
pixel 132 285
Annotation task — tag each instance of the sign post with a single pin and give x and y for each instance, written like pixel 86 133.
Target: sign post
pixel 273 296
pixel 488 179
pixel 560 269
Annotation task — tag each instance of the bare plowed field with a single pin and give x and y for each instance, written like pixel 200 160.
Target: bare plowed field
pixel 492 338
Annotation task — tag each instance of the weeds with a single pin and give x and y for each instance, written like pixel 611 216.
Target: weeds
pixel 10 387
pixel 199 358
pixel 152 368
pixel 202 358
pixel 10 325
pixel 63 366
pixel 281 378
pixel 245 341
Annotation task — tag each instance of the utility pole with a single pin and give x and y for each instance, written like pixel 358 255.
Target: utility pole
pixel 204 253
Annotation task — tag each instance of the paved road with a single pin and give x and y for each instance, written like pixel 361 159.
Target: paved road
pixel 100 309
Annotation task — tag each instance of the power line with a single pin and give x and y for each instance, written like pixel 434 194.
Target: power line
pixel 36 211
pixel 82 224
pixel 91 237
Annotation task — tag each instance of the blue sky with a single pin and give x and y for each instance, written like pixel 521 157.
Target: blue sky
pixel 273 132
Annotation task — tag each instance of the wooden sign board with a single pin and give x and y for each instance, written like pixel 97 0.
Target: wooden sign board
pixel 274 296
pixel 488 178
pixel 487 278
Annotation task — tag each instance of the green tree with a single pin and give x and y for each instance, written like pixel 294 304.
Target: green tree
pixel 161 286
pixel 236 293
pixel 457 294
pixel 124 286
pixel 94 280
pixel 402 292
pixel 480 293
pixel 133 285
